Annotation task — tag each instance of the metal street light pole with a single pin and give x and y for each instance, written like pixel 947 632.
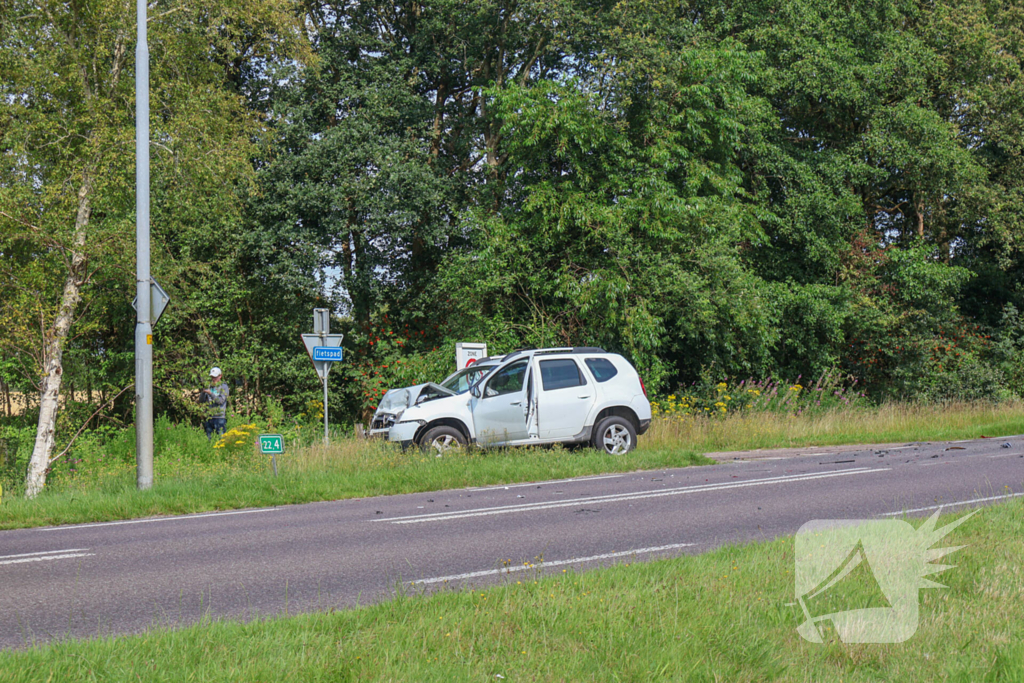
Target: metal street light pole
pixel 144 325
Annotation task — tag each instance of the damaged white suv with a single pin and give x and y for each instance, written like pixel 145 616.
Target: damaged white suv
pixel 537 396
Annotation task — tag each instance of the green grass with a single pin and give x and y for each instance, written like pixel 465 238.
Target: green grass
pixel 889 423
pixel 721 616
pixel 191 476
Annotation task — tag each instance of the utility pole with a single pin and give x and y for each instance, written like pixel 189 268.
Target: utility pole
pixel 144 325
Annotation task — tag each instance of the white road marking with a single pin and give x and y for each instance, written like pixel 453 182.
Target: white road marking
pixel 556 563
pixel 1004 455
pixel 200 515
pixel 45 555
pixel 954 504
pixel 44 552
pixel 618 497
pixel 498 487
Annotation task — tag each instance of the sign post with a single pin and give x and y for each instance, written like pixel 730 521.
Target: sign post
pixel 272 445
pixel 323 349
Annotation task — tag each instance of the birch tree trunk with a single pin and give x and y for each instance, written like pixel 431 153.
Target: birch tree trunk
pixel 53 350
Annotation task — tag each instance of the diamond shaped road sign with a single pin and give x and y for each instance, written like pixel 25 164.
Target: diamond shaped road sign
pixel 314 340
pixel 158 300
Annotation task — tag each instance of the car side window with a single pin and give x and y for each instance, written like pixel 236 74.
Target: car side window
pixel 560 374
pixel 508 380
pixel 602 368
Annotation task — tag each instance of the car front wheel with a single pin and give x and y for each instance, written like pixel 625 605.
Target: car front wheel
pixel 440 440
pixel 615 435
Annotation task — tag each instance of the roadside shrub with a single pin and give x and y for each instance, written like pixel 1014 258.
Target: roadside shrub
pixel 16 440
pixel 1008 350
pixel 957 363
pixel 237 439
pixel 386 362
pixel 715 399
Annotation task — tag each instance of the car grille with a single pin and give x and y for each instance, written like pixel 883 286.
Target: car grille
pixel 383 422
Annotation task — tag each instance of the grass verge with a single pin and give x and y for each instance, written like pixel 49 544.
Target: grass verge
pixel 350 469
pixel 721 616
pixel 889 423
pixel 190 477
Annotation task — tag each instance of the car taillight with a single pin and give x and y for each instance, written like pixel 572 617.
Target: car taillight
pixel 642 385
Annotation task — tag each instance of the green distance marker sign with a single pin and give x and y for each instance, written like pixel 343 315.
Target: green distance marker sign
pixel 271 444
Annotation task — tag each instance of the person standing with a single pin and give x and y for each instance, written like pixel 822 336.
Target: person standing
pixel 217 397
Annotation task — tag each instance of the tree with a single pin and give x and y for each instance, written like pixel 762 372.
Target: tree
pixel 67 190
pixel 625 218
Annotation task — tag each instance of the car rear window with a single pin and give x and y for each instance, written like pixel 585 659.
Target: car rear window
pixel 602 368
pixel 559 374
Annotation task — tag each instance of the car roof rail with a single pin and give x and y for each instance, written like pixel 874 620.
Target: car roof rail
pixel 572 349
pixel 559 349
pixel 516 353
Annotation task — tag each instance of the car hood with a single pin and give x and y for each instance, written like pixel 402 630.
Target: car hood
pixel 397 401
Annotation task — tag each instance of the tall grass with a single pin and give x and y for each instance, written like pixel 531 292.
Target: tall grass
pixel 890 422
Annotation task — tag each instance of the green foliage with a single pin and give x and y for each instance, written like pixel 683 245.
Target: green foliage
pixel 768 189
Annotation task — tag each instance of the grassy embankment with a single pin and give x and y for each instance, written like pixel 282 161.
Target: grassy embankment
pixel 192 477
pixel 722 616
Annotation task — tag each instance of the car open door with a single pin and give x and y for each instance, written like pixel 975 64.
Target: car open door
pixel 500 412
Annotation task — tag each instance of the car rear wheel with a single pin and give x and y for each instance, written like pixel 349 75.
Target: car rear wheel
pixel 440 440
pixel 615 435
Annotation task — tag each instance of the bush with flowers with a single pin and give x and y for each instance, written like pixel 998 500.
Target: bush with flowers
pixel 716 399
pixel 238 439
pixel 385 360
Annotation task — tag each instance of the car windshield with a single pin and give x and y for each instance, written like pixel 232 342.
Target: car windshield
pixel 462 380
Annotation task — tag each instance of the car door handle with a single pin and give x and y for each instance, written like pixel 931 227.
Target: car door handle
pixel 584 396
pixel 516 403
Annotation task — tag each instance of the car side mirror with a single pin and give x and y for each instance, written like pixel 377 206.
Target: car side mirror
pixel 475 391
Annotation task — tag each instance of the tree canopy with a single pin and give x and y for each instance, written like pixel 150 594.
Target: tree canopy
pixel 712 189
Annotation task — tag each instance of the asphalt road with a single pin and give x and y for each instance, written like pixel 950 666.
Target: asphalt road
pixel 90 580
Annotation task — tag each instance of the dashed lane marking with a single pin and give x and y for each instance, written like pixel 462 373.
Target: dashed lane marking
pixel 45 555
pixel 556 563
pixel 177 518
pixel 953 504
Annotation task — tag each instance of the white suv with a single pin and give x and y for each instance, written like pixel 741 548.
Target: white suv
pixel 537 396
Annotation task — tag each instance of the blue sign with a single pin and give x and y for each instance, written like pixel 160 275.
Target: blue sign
pixel 327 353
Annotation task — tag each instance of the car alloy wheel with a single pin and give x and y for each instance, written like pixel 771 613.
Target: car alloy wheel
pixel 444 443
pixel 616 439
